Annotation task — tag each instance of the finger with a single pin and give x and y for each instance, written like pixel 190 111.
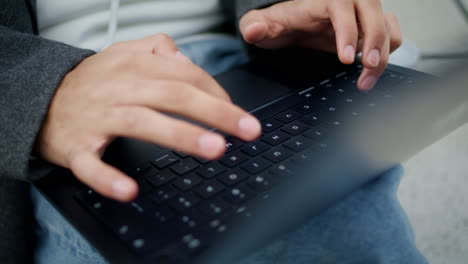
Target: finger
pixel 185 100
pixel 163 68
pixel 279 19
pixel 370 76
pixel 148 125
pixel 396 37
pixel 103 178
pixel 372 21
pixel 344 22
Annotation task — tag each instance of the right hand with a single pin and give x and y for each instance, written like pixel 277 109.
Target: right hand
pixel 125 91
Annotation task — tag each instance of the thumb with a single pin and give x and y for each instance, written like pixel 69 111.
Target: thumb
pixel 253 26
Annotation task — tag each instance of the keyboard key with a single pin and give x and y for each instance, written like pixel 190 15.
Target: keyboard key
pixel 214 207
pixel 201 160
pixel 143 186
pixel 139 206
pixel 331 109
pixel 163 214
pixel 190 219
pixel 141 169
pixel 231 178
pixel 255 165
pixel 210 170
pixel 322 100
pixel 304 108
pixel 184 201
pixel 255 148
pixel 187 182
pixel 160 177
pixel 209 189
pixel 181 154
pixel 288 116
pixel 233 159
pixel 275 138
pixel 277 154
pixel 301 159
pixel 295 128
pixel 282 169
pixel 192 243
pixel 270 125
pixel 238 195
pixel 317 133
pixel 184 166
pixel 165 160
pixel 260 183
pixel 163 194
pixel 297 144
pixel 311 119
pixel 233 143
pixel 335 123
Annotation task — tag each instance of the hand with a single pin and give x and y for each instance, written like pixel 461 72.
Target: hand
pixel 346 27
pixel 125 91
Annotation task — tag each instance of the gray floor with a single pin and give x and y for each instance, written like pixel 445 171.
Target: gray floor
pixel 434 191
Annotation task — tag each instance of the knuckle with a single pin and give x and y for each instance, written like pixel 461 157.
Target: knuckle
pixel 182 93
pixel 125 118
pixel 378 32
pixel 162 37
pixel 195 75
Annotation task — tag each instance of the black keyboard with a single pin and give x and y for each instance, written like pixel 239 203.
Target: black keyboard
pixel 185 201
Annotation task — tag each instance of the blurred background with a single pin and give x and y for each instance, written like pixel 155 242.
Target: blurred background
pixel 434 191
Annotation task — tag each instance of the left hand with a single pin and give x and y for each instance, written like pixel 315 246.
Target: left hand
pixel 346 27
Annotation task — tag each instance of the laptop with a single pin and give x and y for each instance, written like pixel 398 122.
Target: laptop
pixel 321 139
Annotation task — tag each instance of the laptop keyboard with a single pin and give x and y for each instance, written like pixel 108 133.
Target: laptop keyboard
pixel 185 201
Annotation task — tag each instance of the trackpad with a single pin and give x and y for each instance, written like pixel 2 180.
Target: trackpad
pixel 250 91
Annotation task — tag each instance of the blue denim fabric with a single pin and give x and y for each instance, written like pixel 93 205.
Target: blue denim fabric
pixel 369 226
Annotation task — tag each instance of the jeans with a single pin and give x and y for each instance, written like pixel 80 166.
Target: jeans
pixel 369 226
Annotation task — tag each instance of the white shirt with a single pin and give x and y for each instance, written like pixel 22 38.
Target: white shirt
pixel 84 23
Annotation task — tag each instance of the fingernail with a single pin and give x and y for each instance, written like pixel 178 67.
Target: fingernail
pixel 121 188
pixel 210 144
pixel 249 127
pixel 373 58
pixel 369 83
pixel 349 53
pixel 182 57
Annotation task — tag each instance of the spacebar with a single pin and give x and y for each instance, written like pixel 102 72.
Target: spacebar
pixel 277 107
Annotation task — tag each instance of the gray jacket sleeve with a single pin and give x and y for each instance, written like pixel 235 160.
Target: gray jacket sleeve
pixel 31 69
